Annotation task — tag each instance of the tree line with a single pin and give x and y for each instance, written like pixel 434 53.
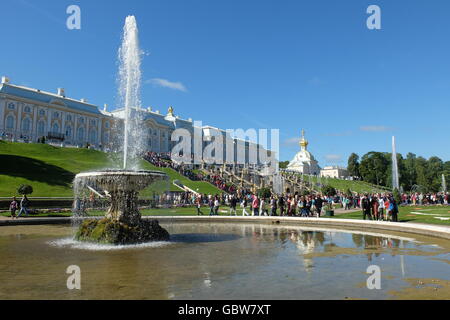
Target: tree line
pixel 415 173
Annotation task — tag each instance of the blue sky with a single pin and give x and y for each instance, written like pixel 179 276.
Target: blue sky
pixel 256 64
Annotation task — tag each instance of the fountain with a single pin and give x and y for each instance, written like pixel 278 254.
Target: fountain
pixel 123 223
pixel 444 185
pixel 395 177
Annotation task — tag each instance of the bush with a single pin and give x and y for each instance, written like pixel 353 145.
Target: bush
pixel 329 191
pixel 25 189
pixel 264 193
pixel 397 196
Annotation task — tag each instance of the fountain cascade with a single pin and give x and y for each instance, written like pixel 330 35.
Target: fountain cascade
pixel 123 223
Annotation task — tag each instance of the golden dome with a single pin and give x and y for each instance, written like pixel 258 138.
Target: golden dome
pixel 303 142
pixel 170 111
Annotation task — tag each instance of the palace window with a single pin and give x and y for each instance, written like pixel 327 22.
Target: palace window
pixel 92 136
pixel 69 117
pixel 80 134
pixel 93 123
pixel 27 109
pixel 107 124
pixel 55 128
pixel 26 125
pixel 56 115
pixel 42 112
pixel 10 122
pixel 41 128
pixel 69 131
pixel 11 106
pixel 81 120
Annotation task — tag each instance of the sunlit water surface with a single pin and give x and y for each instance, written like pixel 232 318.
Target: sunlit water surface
pixel 222 261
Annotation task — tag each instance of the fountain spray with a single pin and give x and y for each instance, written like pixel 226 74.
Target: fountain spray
pixel 130 88
pixel 395 177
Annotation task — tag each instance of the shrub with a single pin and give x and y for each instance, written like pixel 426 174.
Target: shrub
pixel 329 191
pixel 25 189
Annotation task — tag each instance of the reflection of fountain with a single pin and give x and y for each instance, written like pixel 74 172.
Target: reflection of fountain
pixel 123 223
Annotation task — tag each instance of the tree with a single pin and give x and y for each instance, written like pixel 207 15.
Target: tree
pixel 373 168
pixel 283 164
pixel 264 193
pixel 25 189
pixel 410 175
pixel 353 165
pixel 329 191
pixel 397 196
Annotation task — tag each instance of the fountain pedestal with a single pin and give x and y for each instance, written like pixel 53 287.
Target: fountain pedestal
pixel 123 223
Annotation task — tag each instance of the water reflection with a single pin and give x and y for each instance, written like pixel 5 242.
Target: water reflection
pixel 215 261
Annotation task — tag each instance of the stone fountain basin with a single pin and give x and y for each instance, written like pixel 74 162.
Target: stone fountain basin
pixel 121 180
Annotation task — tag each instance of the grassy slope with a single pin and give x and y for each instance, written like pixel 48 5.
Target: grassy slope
pixel 50 170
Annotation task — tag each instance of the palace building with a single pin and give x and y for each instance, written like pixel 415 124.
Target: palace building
pixel 27 115
pixel 304 162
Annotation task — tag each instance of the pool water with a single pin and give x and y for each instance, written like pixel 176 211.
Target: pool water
pixel 225 261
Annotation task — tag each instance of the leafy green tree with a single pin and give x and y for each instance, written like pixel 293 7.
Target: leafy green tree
pixel 410 175
pixel 283 164
pixel 25 189
pixel 397 196
pixel 329 191
pixel 264 193
pixel 373 168
pixel 353 165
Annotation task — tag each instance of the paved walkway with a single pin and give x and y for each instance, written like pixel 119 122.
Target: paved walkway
pixel 361 225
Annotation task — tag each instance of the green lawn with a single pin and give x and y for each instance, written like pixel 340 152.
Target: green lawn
pixel 50 170
pixel 415 214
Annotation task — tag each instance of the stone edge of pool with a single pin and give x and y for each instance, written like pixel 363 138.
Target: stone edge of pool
pixel 422 229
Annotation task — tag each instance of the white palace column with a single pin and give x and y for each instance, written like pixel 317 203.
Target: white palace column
pixel 74 129
pixel 2 113
pixel 63 125
pixel 49 121
pixel 19 120
pixel 34 132
pixel 99 132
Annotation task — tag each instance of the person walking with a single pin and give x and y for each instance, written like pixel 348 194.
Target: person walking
pixel 233 203
pixel 198 202
pixel 24 206
pixel 255 206
pixel 244 206
pixel 366 207
pixel 216 206
pixel 13 207
pixel 281 205
pixel 273 206
pixel 211 206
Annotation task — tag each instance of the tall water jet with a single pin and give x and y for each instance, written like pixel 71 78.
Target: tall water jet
pixel 123 223
pixel 444 184
pixel 395 176
pixel 130 89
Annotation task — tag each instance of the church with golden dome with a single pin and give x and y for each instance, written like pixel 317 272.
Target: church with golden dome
pixel 304 162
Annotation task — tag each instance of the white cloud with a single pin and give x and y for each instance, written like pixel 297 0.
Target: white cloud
pixel 292 141
pixel 168 84
pixel 375 128
pixel 333 157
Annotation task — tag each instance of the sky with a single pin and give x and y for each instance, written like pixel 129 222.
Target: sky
pixel 263 64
